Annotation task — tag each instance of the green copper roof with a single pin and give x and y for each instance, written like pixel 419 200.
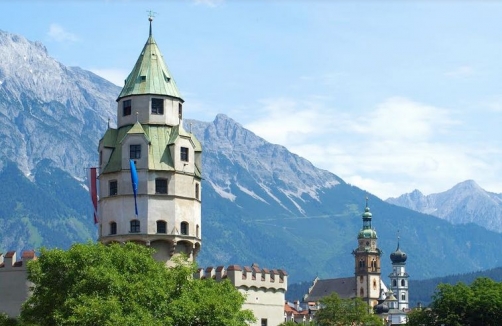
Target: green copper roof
pixel 159 155
pixel 150 74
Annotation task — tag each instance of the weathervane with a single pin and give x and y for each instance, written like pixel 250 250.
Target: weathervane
pixel 151 15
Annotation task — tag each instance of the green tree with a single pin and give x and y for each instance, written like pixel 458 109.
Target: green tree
pixel 463 305
pixel 93 284
pixel 340 312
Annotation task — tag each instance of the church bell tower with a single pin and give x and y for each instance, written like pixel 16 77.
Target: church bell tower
pixel 399 277
pixel 367 262
pixel 151 150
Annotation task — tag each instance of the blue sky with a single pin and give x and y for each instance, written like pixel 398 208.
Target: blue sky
pixel 389 95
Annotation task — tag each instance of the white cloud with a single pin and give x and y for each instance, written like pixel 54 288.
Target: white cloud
pixel 116 76
pixel 59 34
pixel 396 147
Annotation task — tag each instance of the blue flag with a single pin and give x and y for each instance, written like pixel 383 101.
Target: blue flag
pixel 134 180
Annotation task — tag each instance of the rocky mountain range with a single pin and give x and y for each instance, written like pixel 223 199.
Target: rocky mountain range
pixel 466 202
pixel 261 203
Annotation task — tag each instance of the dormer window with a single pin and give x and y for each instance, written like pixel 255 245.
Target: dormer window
pixel 184 154
pixel 134 152
pixel 126 107
pixel 157 106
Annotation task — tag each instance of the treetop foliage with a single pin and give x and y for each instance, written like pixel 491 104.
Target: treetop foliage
pixel 93 284
pixel 461 305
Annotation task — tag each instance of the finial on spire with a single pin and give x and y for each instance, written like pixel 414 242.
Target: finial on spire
pixel 108 123
pixel 137 116
pixel 367 201
pixel 398 237
pixel 151 15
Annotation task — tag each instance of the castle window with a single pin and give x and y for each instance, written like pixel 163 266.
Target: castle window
pixel 160 186
pixel 264 322
pixel 112 186
pixel 157 106
pixel 184 228
pixel 180 110
pixel 403 283
pixel 184 154
pixel 126 107
pixel 113 228
pixel 161 227
pixel 196 191
pixel 135 226
pixel 134 152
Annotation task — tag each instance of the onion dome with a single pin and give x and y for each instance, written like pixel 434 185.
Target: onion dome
pixel 398 256
pixel 367 213
pixel 381 308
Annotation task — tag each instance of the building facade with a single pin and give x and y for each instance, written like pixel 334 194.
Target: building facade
pixel 14 284
pixel 263 289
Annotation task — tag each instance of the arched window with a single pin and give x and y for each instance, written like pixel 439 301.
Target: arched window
pixel 403 296
pixel 361 264
pixel 184 228
pixel 394 283
pixel 197 231
pixel 135 227
pixel 161 227
pixel 361 292
pixel 113 228
pixel 403 283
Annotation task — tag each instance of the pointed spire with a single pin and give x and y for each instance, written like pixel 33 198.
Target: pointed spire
pixel 150 74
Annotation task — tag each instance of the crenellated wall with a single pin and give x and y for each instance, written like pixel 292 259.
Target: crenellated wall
pixel 263 288
pixel 14 285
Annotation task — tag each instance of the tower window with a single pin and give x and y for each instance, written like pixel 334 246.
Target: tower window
pixel 112 185
pixel 184 154
pixel 113 228
pixel 361 292
pixel 135 226
pixel 394 283
pixel 180 110
pixel 184 228
pixel 160 186
pixel 134 152
pixel 126 107
pixel 197 231
pixel 403 283
pixel 161 227
pixel 100 158
pixel 403 296
pixel 157 106
pixel 197 191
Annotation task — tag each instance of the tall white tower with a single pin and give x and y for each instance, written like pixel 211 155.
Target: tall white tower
pixel 167 160
pixel 399 278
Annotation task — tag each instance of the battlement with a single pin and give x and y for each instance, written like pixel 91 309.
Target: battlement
pixel 9 260
pixel 247 277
